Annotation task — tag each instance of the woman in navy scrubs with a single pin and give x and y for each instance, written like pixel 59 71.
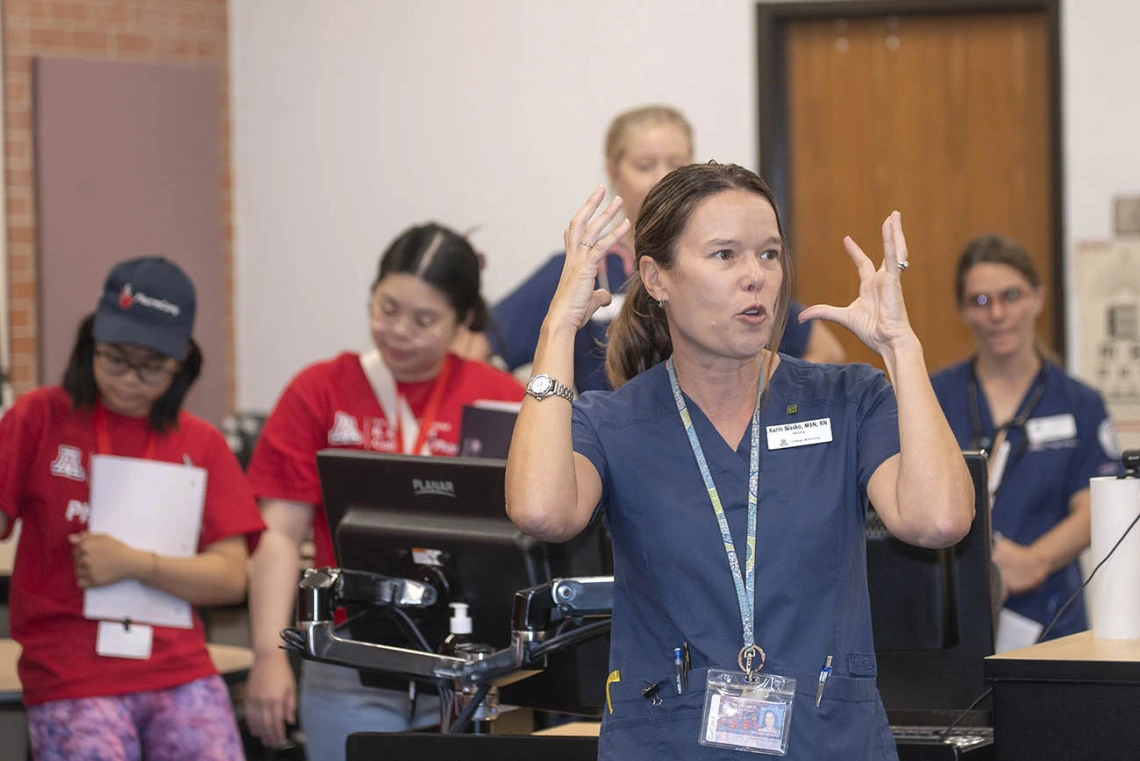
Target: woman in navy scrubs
pixel 1047 432
pixel 642 145
pixel 712 444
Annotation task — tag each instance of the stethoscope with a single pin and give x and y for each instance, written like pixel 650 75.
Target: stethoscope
pixel 1003 459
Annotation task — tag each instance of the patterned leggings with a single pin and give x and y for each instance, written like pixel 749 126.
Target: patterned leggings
pixel 192 721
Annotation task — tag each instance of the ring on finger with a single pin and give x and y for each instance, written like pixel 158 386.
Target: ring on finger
pixel 903 266
pixel 587 245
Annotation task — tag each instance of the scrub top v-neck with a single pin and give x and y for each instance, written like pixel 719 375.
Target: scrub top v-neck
pixel 673 583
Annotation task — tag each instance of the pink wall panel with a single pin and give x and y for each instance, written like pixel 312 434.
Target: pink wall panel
pixel 128 163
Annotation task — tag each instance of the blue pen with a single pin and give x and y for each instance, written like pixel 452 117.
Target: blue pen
pixel 824 673
pixel 677 663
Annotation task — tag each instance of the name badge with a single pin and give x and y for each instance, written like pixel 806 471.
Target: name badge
pixel 1042 430
pixel 609 312
pixel 114 640
pixel 799 434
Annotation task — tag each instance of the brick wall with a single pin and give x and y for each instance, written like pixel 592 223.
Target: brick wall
pixel 157 31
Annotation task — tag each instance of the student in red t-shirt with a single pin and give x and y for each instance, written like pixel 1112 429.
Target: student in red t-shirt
pixel 108 689
pixel 405 396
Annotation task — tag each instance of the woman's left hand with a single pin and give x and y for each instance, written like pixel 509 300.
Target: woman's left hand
pixel 1022 569
pixel 101 559
pixel 878 316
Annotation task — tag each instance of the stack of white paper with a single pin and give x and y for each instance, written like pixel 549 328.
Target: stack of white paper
pixel 154 507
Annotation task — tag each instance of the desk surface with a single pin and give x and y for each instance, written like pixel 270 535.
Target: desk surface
pixel 229 660
pixel 1077 647
pixel 573 729
pixel 1076 658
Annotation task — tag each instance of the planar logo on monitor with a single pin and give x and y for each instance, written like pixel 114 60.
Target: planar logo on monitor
pixel 421 487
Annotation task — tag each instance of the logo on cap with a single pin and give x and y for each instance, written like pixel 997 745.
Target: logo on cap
pixel 128 298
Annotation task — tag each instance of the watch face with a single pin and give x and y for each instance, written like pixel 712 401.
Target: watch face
pixel 541 384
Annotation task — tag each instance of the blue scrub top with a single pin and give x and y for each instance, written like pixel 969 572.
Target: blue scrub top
pixel 518 319
pixel 672 582
pixel 1036 487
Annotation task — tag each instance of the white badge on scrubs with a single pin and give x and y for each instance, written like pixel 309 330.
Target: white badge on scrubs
pixel 117 639
pixel 800 434
pixel 1042 430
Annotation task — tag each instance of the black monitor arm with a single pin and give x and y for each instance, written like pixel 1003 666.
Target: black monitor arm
pixel 538 613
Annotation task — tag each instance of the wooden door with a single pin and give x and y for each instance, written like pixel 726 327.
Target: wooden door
pixel 945 118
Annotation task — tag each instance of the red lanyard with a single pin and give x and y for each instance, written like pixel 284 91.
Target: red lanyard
pixel 103 438
pixel 435 397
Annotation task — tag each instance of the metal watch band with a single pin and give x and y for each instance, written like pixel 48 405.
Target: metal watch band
pixel 557 388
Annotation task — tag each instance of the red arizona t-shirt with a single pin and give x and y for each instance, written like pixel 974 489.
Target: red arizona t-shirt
pixel 331 404
pixel 45 450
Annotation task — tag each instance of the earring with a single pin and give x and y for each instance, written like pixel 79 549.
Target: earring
pixel 661 303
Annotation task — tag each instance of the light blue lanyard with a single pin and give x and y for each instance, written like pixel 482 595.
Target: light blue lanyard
pixel 746 584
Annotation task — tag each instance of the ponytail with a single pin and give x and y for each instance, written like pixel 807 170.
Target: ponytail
pixel 482 320
pixel 639 338
pixel 480 315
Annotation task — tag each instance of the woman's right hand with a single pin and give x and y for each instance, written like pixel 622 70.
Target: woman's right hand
pixel 586 247
pixel 271 698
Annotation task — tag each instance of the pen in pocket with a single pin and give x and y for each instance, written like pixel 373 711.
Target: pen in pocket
pixel 824 673
pixel 678 663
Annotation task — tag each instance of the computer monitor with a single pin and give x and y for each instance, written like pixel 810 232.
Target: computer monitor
pixel 486 428
pixel 932 613
pixel 443 520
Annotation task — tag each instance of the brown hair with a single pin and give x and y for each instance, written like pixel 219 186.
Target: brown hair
pixel 639 337
pixel 993 249
pixel 643 116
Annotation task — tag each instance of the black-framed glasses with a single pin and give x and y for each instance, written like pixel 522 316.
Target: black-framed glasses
pixel 151 372
pixel 984 300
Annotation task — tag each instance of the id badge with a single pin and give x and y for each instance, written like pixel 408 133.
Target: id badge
pixel 114 640
pixel 753 716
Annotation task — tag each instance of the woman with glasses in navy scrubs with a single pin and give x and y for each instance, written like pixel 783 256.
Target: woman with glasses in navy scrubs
pixel 734 480
pixel 1047 433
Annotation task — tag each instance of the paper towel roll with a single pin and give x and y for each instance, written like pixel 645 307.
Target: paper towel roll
pixel 1115 592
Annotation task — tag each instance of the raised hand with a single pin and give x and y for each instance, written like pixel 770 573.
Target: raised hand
pixel 576 298
pixel 878 315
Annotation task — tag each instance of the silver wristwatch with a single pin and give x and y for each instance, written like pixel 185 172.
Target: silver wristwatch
pixel 542 385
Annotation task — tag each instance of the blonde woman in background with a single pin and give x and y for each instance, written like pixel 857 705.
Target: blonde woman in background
pixel 642 145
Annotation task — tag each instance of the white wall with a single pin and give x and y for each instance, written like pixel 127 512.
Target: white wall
pixel 355 118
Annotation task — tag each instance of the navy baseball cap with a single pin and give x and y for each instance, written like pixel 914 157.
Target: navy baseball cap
pixel 147 302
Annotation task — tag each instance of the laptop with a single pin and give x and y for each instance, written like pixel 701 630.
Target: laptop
pixel 485 429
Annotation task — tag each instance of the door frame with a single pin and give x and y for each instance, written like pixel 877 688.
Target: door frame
pixel 772 23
